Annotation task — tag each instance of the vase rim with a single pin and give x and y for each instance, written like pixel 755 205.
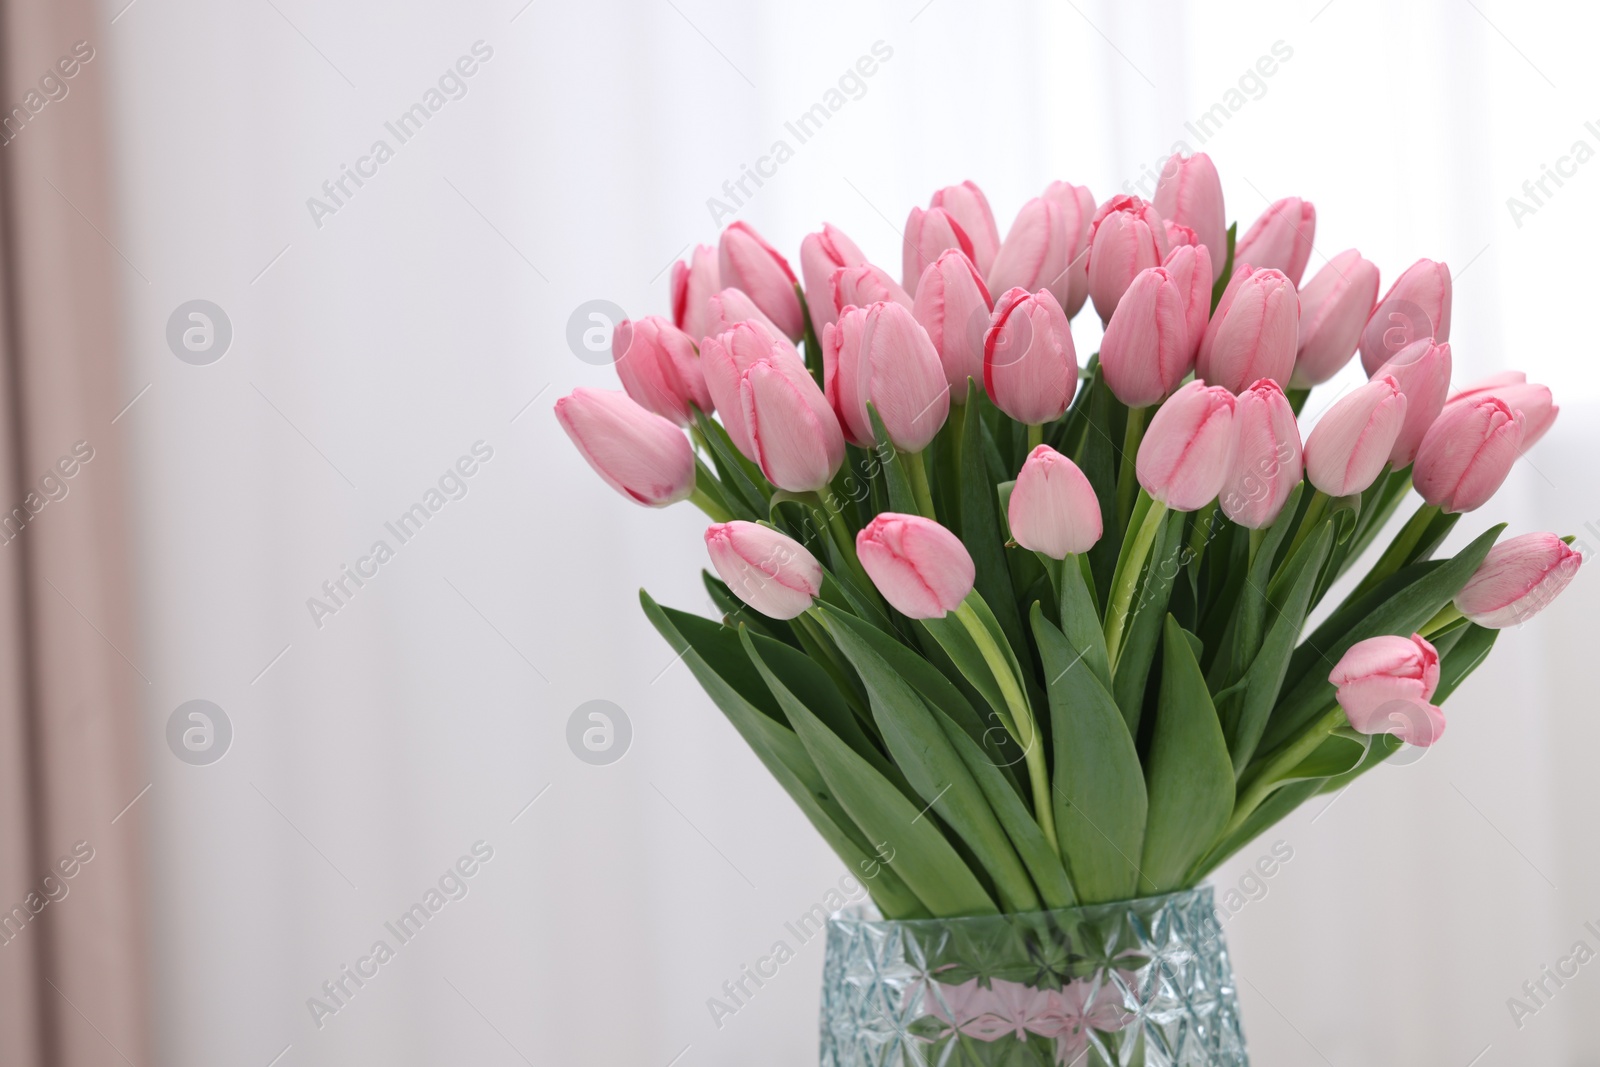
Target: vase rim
pixel 866 915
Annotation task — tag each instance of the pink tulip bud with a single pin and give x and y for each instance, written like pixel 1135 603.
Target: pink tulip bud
pixel 1036 253
pixel 1384 685
pixel 1187 449
pixel 1030 368
pixel 1467 453
pixel 821 254
pixel 1255 335
pixel 1281 238
pixel 1334 307
pixel 862 285
pixel 1076 204
pixel 1053 508
pixel 1423 370
pixel 921 568
pixel 928 234
pixel 1417 305
pixel 794 435
pixel 660 368
pixel 693 284
pixel 1190 267
pixel 727 309
pixel 1146 352
pixel 770 571
pixel 1126 236
pixel 1180 236
pixel 725 357
pixel 970 208
pixel 1266 456
pixel 1349 446
pixel 880 354
pixel 746 261
pixel 639 454
pixel 1190 193
pixel 1535 402
pixel 953 306
pixel 1518 579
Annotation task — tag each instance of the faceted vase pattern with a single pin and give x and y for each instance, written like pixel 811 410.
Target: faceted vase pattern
pixel 1141 983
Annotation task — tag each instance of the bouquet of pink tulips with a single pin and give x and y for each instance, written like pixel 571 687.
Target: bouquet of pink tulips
pixel 1020 635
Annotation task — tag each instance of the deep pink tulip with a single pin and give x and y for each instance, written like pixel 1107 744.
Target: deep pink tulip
pixel 1053 508
pixel 1255 335
pixel 1351 443
pixel 1187 449
pixel 821 254
pixel 1417 305
pixel 1030 367
pixel 1190 193
pixel 1190 266
pixel 1077 208
pixel 770 571
pixel 725 357
pixel 794 435
pixel 1423 370
pixel 693 284
pixel 1036 253
pixel 880 354
pixel 639 454
pixel 1467 453
pixel 953 306
pixel 1266 456
pixel 1146 352
pixel 746 261
pixel 1384 685
pixel 921 568
pixel 1518 579
pixel 863 285
pixel 1281 238
pixel 1126 236
pixel 660 368
pixel 929 232
pixel 727 309
pixel 1535 402
pixel 1334 307
pixel 970 208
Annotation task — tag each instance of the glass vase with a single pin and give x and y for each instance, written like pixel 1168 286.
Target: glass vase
pixel 1141 983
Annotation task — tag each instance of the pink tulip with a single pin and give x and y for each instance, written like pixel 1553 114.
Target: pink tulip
pixel 725 357
pixel 1535 402
pixel 1190 193
pixel 1187 450
pixel 1053 508
pixel 862 285
pixel 747 262
pixel 1146 352
pixel 1384 685
pixel 1254 336
pixel 794 435
pixel 1518 579
pixel 1030 368
pixel 953 306
pixel 1076 204
pixel 921 568
pixel 770 571
pixel 1423 370
pixel 1281 238
pixel 1467 453
pixel 1190 267
pixel 1126 236
pixel 1417 305
pixel 1349 446
pixel 660 368
pixel 1266 456
pixel 1334 307
pixel 970 208
pixel 929 233
pixel 880 354
pixel 1036 253
pixel 639 454
pixel 821 254
pixel 693 284
pixel 1179 236
pixel 727 309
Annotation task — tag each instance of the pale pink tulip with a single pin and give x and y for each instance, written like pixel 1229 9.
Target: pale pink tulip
pixel 1190 193
pixel 880 354
pixel 1384 685
pixel 921 568
pixel 1036 253
pixel 1146 351
pixel 970 208
pixel 1053 508
pixel 747 262
pixel 693 284
pixel 953 306
pixel 929 232
pixel 770 571
pixel 1076 204
pixel 1417 305
pixel 1187 449
pixel 1030 367
pixel 862 285
pixel 1518 579
pixel 1535 402
pixel 1126 236
pixel 1266 456
pixel 639 454
pixel 1255 335
pixel 660 368
pixel 1423 370
pixel 1351 443
pixel 727 309
pixel 1467 453
pixel 1179 236
pixel 1334 307
pixel 794 435
pixel 724 359
pixel 821 254
pixel 1190 267
pixel 1281 238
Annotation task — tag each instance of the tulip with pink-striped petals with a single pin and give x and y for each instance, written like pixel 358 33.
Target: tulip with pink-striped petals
pixel 953 306
pixel 1467 453
pixel 1351 443
pixel 921 568
pixel 639 454
pixel 821 254
pixel 1423 370
pixel 862 285
pixel 1077 207
pixel 1036 252
pixel 1334 308
pixel 1417 305
pixel 1255 335
pixel 693 284
pixel 725 357
pixel 1384 685
pixel 1536 403
pixel 727 309
pixel 880 354
pixel 1190 266
pixel 929 232
pixel 1281 238
pixel 770 571
pixel 1053 507
pixel 1187 450
pixel 747 262
pixel 1518 579
pixel 970 208
pixel 1030 367
pixel 660 368
pixel 1126 236
pixel 1266 456
pixel 794 435
pixel 1189 193
pixel 1146 351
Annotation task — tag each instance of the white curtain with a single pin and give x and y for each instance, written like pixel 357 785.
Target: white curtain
pixel 377 338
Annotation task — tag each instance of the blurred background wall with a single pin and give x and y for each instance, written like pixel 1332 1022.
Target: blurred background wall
pixel 423 314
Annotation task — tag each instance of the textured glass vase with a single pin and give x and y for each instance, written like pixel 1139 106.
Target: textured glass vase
pixel 1142 983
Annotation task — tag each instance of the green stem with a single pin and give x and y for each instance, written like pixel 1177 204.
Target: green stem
pixel 1405 542
pixel 1128 476
pixel 1035 435
pixel 1126 580
pixel 847 546
pixel 917 474
pixel 1314 512
pixel 1447 615
pixel 1285 761
pixel 1256 537
pixel 1200 536
pixel 714 511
